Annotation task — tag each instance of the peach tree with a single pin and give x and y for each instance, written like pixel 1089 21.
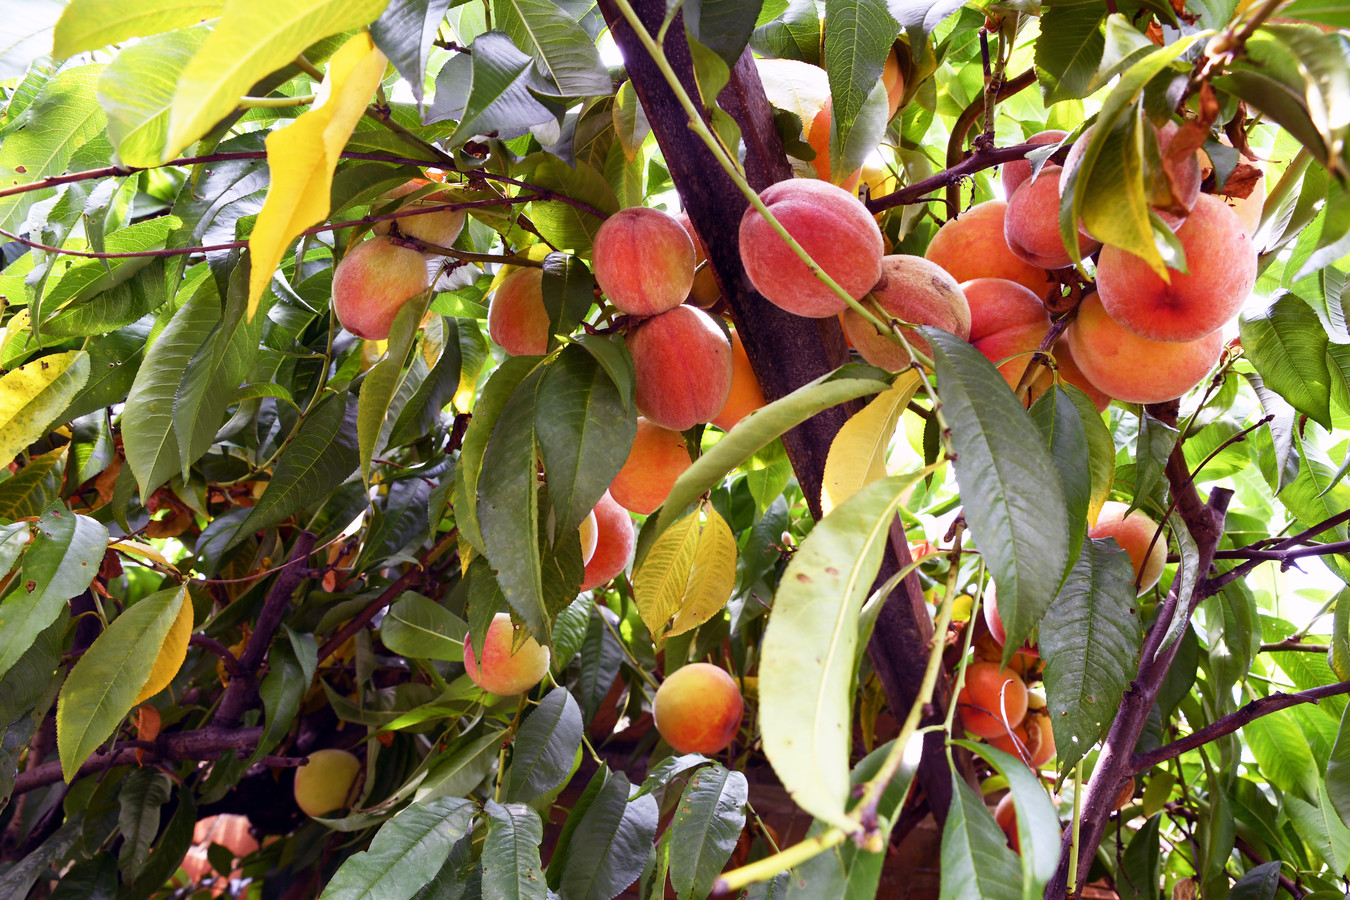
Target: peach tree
pixel 955 395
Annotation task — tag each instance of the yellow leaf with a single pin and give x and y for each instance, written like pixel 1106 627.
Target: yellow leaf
pixel 712 578
pixel 34 394
pixel 302 156
pixel 688 574
pixel 145 551
pixel 858 454
pixel 172 652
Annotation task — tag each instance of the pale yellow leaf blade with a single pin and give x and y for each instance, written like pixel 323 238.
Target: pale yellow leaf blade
pixel 858 453
pixel 302 156
pixel 712 577
pixel 659 586
pixel 172 652
pixel 144 551
pixel 34 394
pixel 94 24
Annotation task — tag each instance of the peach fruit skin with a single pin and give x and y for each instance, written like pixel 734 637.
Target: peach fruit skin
pixel 1019 170
pixel 911 289
pixel 973 246
pixel 1221 263
pixel 1133 533
pixel 698 708
pixel 614 542
pixel 503 672
pixel 988 680
pixel 1007 322
pixel 1132 368
pixel 371 284
pixel 832 226
pixel 682 367
pixel 657 458
pixel 1031 226
pixel 746 395
pixel 324 783
pixel 643 261
pixel 517 320
pixel 590 537
pixel 818 136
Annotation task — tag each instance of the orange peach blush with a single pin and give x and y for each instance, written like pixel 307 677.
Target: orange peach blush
pixel 973 246
pixel 746 395
pixel 658 457
pixel 911 289
pixel 1007 324
pixel 614 543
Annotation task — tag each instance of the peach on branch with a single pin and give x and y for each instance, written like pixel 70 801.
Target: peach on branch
pixel 325 783
pixel 1133 533
pixel 1035 741
pixel 911 289
pixel 517 320
pixel 1007 324
pixel 894 79
pixel 1180 172
pixel 992 700
pixel 832 226
pixel 746 395
pixel 1132 368
pixel 682 367
pixel 1005 814
pixel 614 541
pixel 973 246
pixel 1019 170
pixel 818 136
pixel 705 291
pixel 372 282
pixel 698 708
pixel 505 667
pixel 643 260
pixel 435 225
pixel 1031 226
pixel 590 537
pixel 657 458
pixel 1221 271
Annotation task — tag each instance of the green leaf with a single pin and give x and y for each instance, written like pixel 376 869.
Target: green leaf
pixel 290 673
pixel 976 861
pixel 1288 345
pixel 1261 882
pixel 630 122
pixel 707 823
pixel 144 792
pixel 560 46
pixel 1090 640
pixel 610 845
pixel 105 682
pixel 1069 49
pixel 252 39
pixel 541 757
pixel 810 649
pixel 60 563
pixel 419 628
pixel 1010 488
pixel 1338 770
pixel 34 488
pixel 796 34
pixel 84 300
pixel 500 388
pixel 1283 754
pixel 1319 825
pixel 562 224
pixel 404 32
pixel 1140 864
pixel 858 36
pixel 405 854
pixel 1037 821
pixel 27 691
pixel 1333 238
pixel 94 24
pixel 499 77
pixel 1328 12
pixel 723 26
pixel 511 869
pixel 383 380
pixel 137 88
pixel 34 394
pixel 569 291
pixel 463 768
pixel 1061 422
pixel 321 456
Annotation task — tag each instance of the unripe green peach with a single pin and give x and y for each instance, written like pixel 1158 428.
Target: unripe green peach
pixel 643 261
pixel 973 246
pixel 746 395
pixel 614 543
pixel 371 284
pixel 832 226
pixel 501 670
pixel 1007 323
pixel 325 783
pixel 1031 226
pixel 681 366
pixel 911 289
pixel 657 458
pixel 1133 533
pixel 698 709
pixel 1017 171
pixel 1132 368
pixel 517 320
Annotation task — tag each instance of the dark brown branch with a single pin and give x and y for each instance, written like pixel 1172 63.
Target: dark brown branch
pixel 1263 706
pixel 1294 646
pixel 977 161
pixel 1256 554
pixel 1284 557
pixel 1252 856
pixel 956 144
pixel 214 646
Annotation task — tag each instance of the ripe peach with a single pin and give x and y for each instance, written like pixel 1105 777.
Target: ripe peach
pixel 643 261
pixel 911 289
pixel 230 831
pixel 818 136
pixel 1031 226
pixel 325 783
pixel 614 541
pixel 746 395
pixel 682 367
pixel 1181 172
pixel 1037 739
pixel 1005 814
pixel 698 708
pixel 371 284
pixel 705 291
pixel 1132 368
pixel 590 537
pixel 505 670
pixel 1019 170
pixel 657 458
pixel 989 696
pixel 1125 795
pixel 1072 374
pixel 832 226
pixel 1133 533
pixel 517 320
pixel 973 246
pixel 1221 263
pixel 434 226
pixel 894 79
pixel 1007 323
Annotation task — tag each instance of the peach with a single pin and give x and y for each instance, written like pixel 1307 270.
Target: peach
pixel 818 136
pixel 1005 814
pixel 705 291
pixel 372 282
pixel 1037 739
pixel 1072 374
pixel 746 395
pixel 505 669
pixel 1019 170
pixel 229 830
pixel 1132 368
pixel 1031 226
pixel 434 226
pixel 989 696
pixel 1007 323
pixel 894 79
pixel 325 783
pixel 911 289
pixel 658 457
pixel 972 246
pixel 1181 173
pixel 832 226
pixel 643 261
pixel 698 708
pixel 682 367
pixel 517 320
pixel 1133 533
pixel 614 541
pixel 590 537
pixel 1221 264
